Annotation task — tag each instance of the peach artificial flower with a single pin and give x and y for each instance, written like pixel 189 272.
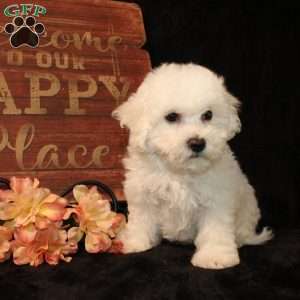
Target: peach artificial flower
pixel 33 246
pixel 5 244
pixel 96 220
pixel 27 203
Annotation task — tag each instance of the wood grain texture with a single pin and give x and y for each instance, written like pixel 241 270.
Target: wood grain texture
pixel 56 99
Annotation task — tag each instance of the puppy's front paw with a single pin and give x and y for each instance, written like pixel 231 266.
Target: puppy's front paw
pixel 133 243
pixel 215 258
pixel 132 246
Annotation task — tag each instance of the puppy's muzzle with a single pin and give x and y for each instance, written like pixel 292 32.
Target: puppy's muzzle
pixel 196 145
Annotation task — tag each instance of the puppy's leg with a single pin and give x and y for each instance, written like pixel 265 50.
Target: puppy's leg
pixel 247 218
pixel 141 232
pixel 215 242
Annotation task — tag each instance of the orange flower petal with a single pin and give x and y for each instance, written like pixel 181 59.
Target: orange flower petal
pixel 66 259
pixel 41 222
pixel 5 249
pixel 52 211
pixel 37 260
pixel 20 185
pixel 5 195
pixel 5 244
pixel 52 258
pixel 95 243
pixel 80 191
pixel 69 212
pixel 25 234
pixel 20 256
pixel 116 247
pixel 5 233
pixel 75 234
pixel 26 200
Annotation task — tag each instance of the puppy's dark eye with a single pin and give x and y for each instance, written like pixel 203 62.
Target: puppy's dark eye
pixel 207 116
pixel 173 117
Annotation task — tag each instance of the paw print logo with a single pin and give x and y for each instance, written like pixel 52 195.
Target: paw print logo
pixel 24 31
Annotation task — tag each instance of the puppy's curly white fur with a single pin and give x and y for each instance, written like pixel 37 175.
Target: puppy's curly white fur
pixel 182 180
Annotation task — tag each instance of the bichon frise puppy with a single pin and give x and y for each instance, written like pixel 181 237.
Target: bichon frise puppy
pixel 183 182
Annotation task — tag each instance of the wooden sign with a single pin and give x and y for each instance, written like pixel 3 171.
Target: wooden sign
pixel 64 67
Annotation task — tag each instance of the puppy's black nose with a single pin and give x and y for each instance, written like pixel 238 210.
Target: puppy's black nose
pixel 196 145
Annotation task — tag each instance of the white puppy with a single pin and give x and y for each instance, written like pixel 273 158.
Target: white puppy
pixel 182 181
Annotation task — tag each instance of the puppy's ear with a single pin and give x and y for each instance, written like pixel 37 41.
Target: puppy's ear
pixel 234 124
pixel 132 115
pixel 129 112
